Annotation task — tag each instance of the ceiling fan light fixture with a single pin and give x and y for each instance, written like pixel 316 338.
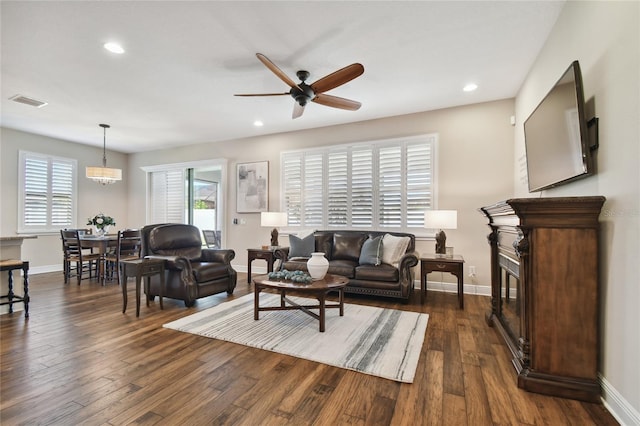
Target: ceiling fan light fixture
pixel 104 175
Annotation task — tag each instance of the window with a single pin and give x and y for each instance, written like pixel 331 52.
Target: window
pixel 384 185
pixel 47 193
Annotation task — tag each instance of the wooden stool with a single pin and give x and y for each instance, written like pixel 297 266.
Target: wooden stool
pixel 11 265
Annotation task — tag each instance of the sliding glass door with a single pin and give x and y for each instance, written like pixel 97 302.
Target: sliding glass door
pixel 190 193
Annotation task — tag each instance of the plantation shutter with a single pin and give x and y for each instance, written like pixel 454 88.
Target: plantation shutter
pixel 338 188
pixel 390 187
pixel 419 186
pixel 312 197
pixel 362 187
pixel 47 193
pixel 292 190
pixel 378 185
pixel 168 202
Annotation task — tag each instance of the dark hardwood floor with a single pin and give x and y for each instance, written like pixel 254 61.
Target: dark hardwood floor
pixel 79 360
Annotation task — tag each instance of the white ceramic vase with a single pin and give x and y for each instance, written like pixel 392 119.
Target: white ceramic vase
pixel 317 266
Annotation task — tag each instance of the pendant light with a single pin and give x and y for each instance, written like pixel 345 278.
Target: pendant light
pixel 104 175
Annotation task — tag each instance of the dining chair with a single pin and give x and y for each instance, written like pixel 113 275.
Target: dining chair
pixel 74 254
pixel 211 238
pixel 127 248
pixel 65 263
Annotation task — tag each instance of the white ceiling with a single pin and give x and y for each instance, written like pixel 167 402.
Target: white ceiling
pixel 185 60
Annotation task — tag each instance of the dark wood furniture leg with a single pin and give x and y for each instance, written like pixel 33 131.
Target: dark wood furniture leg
pixel 10 266
pixel 264 254
pixel 142 268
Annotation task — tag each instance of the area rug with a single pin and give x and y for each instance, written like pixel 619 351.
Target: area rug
pixel 376 341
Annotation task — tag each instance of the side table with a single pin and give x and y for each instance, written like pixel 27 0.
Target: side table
pixel 440 263
pixel 258 253
pixel 141 268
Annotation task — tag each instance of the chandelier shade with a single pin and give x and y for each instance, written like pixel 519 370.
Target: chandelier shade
pixel 104 175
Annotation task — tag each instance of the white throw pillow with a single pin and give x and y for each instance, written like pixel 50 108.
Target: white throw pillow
pixel 393 248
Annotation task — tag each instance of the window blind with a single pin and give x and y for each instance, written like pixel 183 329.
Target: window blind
pixel 381 185
pixel 168 196
pixel 47 192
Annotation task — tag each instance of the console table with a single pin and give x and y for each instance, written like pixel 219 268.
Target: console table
pixel 259 253
pixel 439 263
pixel 549 318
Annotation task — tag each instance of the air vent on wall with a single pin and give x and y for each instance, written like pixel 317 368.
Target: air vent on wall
pixel 28 101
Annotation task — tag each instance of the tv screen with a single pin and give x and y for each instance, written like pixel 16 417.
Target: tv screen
pixel 556 135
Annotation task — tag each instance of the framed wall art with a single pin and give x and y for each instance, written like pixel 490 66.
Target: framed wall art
pixel 252 187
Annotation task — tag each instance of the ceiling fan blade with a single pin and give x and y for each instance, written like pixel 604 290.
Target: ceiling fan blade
pixel 297 110
pixel 277 71
pixel 337 78
pixel 262 94
pixel 337 102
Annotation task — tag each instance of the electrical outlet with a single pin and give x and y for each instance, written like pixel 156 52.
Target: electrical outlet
pixel 472 270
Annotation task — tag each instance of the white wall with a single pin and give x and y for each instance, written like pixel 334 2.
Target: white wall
pixel 475 165
pixel 45 252
pixel 475 162
pixel 605 38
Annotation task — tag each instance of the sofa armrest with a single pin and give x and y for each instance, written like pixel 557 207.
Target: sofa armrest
pixel 179 263
pixel 281 254
pixel 218 255
pixel 407 262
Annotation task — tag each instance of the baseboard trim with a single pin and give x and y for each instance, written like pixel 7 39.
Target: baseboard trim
pixel 617 405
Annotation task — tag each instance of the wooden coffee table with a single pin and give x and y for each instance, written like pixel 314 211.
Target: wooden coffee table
pixel 316 289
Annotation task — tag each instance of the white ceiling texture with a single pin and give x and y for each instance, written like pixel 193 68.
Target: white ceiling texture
pixel 185 60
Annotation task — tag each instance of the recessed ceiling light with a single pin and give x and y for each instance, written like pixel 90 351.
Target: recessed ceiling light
pixel 470 87
pixel 113 47
pixel 258 123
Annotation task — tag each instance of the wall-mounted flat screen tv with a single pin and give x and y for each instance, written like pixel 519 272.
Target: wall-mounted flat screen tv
pixel 556 139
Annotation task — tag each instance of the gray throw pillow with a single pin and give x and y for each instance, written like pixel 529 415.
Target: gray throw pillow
pixel 301 248
pixel 371 253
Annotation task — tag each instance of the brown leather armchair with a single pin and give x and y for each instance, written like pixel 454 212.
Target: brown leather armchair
pixel 191 272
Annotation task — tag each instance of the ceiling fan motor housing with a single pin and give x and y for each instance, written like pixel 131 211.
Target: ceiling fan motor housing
pixel 303 93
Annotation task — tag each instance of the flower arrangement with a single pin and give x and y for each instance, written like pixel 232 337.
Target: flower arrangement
pixel 101 221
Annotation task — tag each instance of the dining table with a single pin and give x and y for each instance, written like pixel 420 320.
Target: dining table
pixel 102 244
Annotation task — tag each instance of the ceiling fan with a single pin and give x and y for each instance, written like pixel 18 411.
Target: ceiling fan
pixel 314 92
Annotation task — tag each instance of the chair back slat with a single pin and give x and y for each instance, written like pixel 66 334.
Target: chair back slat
pixel 129 243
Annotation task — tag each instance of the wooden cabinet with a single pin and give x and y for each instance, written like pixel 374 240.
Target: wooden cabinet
pixel 545 292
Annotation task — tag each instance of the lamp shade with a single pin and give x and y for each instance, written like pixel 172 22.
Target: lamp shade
pixel 273 219
pixel 441 219
pixel 104 175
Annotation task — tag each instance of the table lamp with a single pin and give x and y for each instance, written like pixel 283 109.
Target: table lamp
pixel 441 219
pixel 274 219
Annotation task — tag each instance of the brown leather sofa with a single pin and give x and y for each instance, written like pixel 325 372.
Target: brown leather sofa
pixel 343 248
pixel 191 272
